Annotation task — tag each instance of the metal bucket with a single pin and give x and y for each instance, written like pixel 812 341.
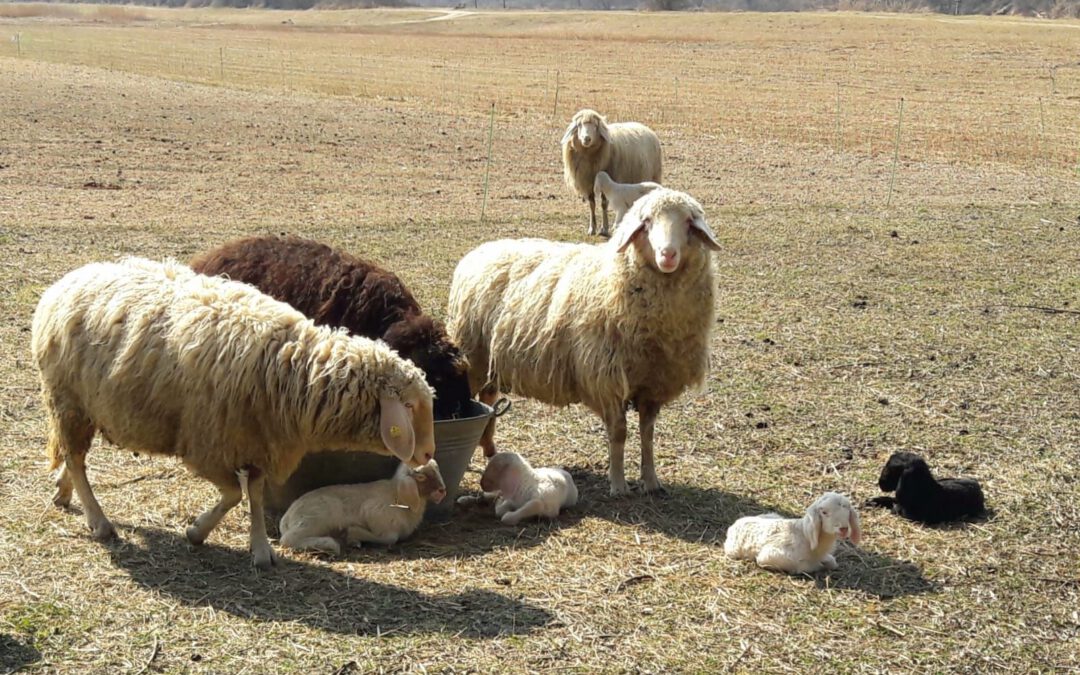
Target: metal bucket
pixel 455 441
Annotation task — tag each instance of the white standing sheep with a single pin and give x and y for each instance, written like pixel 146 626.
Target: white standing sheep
pixel 162 360
pixel 382 511
pixel 628 151
pixel 611 325
pixel 621 196
pixel 795 545
pixel 524 492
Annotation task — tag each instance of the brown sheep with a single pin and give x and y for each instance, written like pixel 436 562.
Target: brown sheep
pixel 336 289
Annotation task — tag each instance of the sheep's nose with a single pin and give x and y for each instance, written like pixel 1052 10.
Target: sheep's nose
pixel 843 532
pixel 669 259
pixel 428 456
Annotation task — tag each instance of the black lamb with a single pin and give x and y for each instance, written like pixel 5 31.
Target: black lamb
pixel 921 497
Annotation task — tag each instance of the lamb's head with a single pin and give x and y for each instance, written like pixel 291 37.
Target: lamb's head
pixel 832 514
pixel 406 420
pixel 503 472
pixel 423 341
pixel 666 227
pixel 587 129
pixel 895 467
pixel 416 485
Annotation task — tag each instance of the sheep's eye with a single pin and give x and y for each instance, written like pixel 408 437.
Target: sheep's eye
pixel 409 405
pixel 824 513
pixel 421 478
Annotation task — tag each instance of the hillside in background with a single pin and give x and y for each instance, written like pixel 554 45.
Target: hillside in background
pixel 1042 8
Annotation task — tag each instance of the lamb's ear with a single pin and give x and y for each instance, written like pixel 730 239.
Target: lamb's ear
pixel 853 526
pixel 812 525
pixel 702 228
pixel 570 131
pixel 604 133
pixel 408 491
pixel 395 427
pixel 625 231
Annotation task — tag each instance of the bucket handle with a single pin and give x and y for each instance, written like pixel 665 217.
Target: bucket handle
pixel 501 406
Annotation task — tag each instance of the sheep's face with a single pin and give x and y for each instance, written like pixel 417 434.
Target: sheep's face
pixel 665 226
pixel 894 468
pixel 837 516
pixel 407 425
pixel 588 129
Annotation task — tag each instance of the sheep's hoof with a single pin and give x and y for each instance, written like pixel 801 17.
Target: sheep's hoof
pixel 657 490
pixel 264 559
pixel 62 498
pixel 103 531
pixel 619 489
pixel 195 536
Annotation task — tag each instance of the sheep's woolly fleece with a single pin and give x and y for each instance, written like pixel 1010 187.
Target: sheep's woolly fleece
pixel 567 323
pixel 163 360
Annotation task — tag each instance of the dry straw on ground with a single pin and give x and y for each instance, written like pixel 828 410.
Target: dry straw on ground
pixel 846 331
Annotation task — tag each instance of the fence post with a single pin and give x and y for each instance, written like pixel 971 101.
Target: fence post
pixel 487 171
pixel 896 151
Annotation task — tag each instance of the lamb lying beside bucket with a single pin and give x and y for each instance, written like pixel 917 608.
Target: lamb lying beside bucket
pixel 382 511
pixel 523 492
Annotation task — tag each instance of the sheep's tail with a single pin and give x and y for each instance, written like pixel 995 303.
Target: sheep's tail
pixel 52 445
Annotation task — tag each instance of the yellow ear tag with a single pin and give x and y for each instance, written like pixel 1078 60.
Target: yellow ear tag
pixel 395 431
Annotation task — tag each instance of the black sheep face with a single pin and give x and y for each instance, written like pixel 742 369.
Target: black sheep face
pixel 895 467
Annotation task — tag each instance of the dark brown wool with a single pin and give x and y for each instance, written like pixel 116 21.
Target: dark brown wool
pixel 336 289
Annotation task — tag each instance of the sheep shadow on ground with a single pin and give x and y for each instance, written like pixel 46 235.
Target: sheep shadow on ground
pixel 318 596
pixel 15 654
pixel 703 515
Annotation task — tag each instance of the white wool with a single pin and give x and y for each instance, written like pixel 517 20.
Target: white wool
pixel 524 492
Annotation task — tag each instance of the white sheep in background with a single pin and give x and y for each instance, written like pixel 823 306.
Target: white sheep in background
pixel 622 323
pixel 382 511
pixel 628 151
pixel 795 545
pixel 162 360
pixel 523 492
pixel 621 196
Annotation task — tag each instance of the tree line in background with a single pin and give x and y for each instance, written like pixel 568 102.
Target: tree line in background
pixel 1043 8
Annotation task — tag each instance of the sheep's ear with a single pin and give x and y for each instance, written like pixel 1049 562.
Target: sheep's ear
pixel 604 133
pixel 570 131
pixel 698 224
pixel 853 526
pixel 625 232
pixel 812 525
pixel 395 427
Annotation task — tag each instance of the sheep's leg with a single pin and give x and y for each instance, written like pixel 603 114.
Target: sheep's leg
pixel 592 214
pixel 99 525
pixel 647 413
pixel 205 523
pixel 62 496
pixel 262 553
pixel 487 440
pixel 69 437
pixel 829 562
pixel 615 421
pixel 502 507
pixel 882 502
pixel 605 232
pixel 532 508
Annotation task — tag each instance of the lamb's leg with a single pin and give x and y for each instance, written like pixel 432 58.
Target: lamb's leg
pixel 829 562
pixel 205 523
pixel 488 394
pixel 647 412
pixel 772 557
pixel 262 553
pixel 298 540
pixel 603 209
pixel 592 214
pixel 502 507
pixel 531 509
pixel 884 502
pixel 358 533
pixel 615 421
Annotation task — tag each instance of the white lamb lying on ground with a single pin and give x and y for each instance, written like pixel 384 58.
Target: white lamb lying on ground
pixel 795 545
pixel 382 511
pixel 524 492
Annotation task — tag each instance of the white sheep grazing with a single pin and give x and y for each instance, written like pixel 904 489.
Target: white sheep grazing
pixel 795 545
pixel 523 492
pixel 621 196
pixel 162 360
pixel 625 322
pixel 628 151
pixel 382 511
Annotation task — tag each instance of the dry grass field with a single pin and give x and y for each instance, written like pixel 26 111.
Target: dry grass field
pixel 866 306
